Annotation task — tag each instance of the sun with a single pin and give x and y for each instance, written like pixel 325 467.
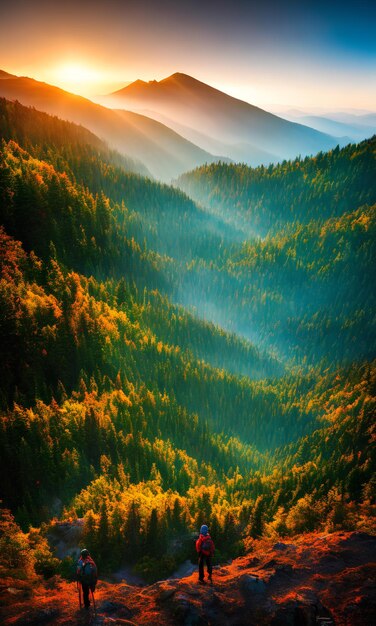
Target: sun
pixel 82 77
pixel 76 73
pixel 77 77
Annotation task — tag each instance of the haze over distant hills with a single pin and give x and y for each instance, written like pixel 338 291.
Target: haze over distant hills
pixel 205 115
pixel 159 150
pixel 345 126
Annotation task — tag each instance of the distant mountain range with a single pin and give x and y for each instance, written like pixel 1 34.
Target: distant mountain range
pixel 160 151
pixel 215 120
pixel 345 126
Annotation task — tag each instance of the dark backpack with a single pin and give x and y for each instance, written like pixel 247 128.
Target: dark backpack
pixel 88 574
pixel 207 546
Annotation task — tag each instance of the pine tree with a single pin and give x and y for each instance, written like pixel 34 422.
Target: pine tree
pixel 132 534
pixel 258 519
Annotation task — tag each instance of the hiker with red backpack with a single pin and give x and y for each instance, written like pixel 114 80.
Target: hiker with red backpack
pixel 87 577
pixel 205 548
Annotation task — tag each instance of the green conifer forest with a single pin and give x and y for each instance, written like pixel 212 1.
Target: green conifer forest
pixel 186 354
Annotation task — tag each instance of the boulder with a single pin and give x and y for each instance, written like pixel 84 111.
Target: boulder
pixel 193 591
pixel 282 570
pixel 186 613
pixel 251 585
pixel 165 592
pixel 270 564
pixel 110 607
pixel 181 605
pixel 286 568
pixel 14 591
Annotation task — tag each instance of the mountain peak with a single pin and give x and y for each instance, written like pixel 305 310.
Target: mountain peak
pixel 184 80
pixel 152 86
pixel 138 83
pixel 179 77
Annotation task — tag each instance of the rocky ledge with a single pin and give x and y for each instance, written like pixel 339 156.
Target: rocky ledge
pixel 313 580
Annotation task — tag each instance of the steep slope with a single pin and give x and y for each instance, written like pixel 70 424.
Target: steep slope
pixel 139 400
pixel 242 126
pixel 163 151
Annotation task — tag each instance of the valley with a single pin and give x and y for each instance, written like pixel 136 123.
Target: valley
pixel 179 354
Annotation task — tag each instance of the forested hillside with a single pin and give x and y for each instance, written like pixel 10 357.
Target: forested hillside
pixel 264 199
pixel 121 406
pixel 307 291
pixel 305 287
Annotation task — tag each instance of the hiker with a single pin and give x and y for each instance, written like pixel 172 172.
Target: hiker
pixel 86 576
pixel 205 549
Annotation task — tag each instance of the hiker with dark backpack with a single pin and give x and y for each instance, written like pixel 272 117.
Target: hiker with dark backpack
pixel 205 548
pixel 87 576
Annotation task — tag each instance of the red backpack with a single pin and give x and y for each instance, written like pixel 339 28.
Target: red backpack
pixel 207 545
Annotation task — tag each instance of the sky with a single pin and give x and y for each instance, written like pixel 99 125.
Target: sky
pixel 275 54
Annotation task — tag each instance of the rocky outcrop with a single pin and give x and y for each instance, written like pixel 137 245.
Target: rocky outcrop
pixel 64 537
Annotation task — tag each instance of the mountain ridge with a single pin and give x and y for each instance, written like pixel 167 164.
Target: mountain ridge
pixel 188 101
pixel 185 80
pixel 161 149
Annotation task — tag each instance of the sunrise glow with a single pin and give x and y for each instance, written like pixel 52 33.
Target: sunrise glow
pixel 77 76
pixel 308 56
